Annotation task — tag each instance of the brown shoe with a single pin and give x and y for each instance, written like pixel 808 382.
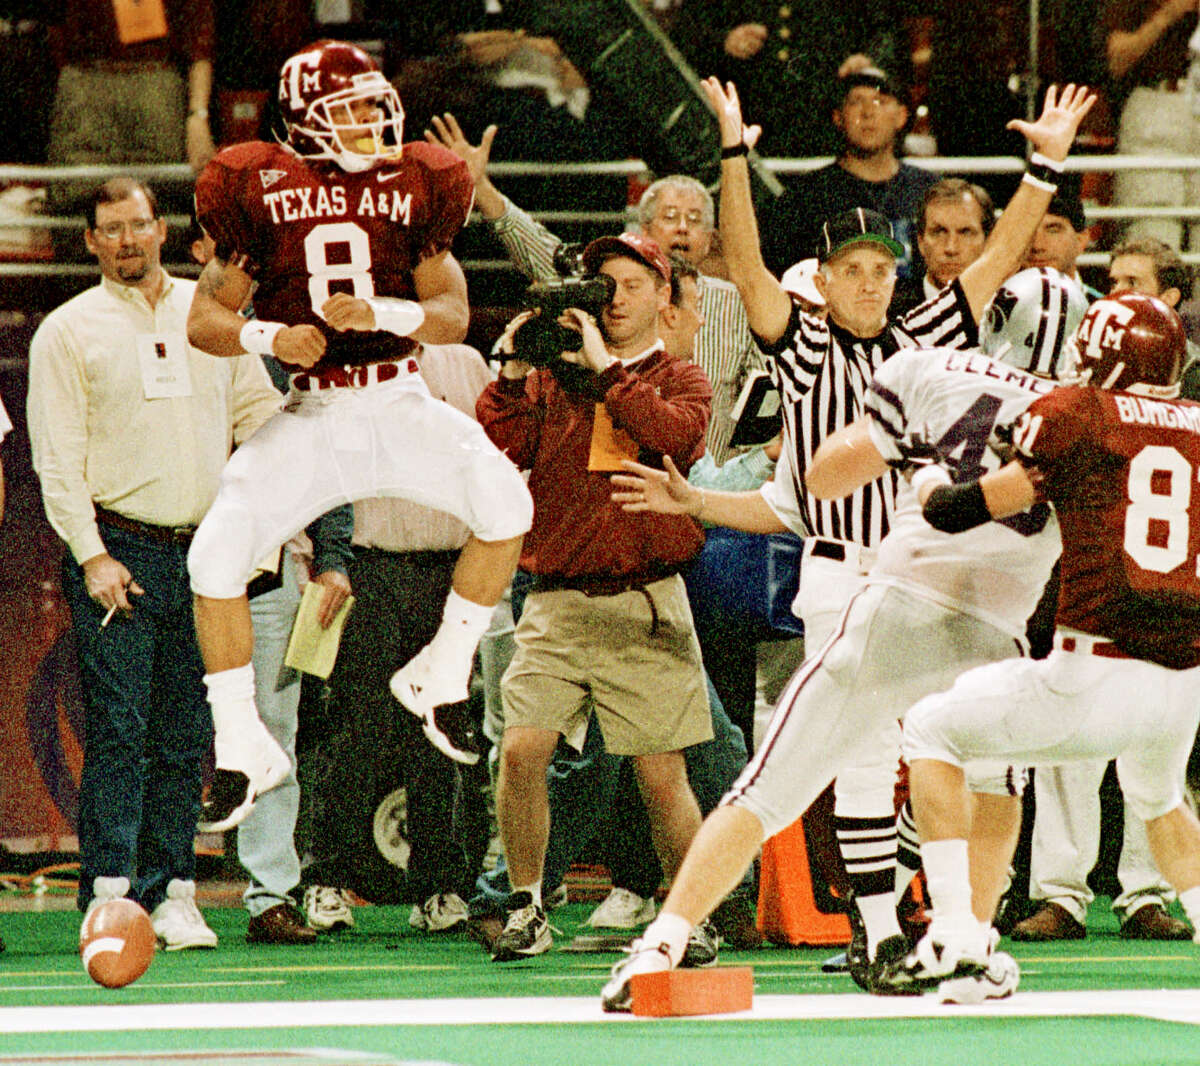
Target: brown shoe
pixel 1052 922
pixel 1152 922
pixel 281 924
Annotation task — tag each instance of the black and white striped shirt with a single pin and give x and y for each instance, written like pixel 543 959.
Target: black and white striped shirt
pixel 823 374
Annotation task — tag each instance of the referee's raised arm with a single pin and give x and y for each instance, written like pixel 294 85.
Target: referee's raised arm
pixel 767 305
pixel 1051 137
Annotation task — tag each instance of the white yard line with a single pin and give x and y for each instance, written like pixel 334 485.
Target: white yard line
pixel 1163 1005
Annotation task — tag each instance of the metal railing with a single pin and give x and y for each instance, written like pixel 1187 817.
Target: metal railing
pixel 180 175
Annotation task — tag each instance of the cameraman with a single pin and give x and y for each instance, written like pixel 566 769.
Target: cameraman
pixel 606 625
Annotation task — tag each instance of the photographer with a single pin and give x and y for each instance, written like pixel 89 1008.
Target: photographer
pixel 604 580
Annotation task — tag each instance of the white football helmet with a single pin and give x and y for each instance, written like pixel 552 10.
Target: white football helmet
pixel 1029 320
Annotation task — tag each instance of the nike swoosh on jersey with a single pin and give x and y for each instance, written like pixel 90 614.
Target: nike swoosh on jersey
pixel 388 177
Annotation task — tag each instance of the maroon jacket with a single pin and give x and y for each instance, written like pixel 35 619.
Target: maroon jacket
pixel 578 532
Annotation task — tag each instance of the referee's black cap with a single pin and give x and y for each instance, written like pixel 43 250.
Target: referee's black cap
pixel 856 226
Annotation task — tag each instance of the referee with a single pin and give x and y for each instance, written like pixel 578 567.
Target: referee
pixel 822 369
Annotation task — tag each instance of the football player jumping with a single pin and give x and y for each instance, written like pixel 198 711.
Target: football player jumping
pixel 1119 458
pixel 345 232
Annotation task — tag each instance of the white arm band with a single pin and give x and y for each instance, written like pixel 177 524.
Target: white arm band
pixel 402 317
pixel 932 475
pixel 259 337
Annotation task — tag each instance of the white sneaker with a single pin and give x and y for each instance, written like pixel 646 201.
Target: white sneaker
pixel 249 763
pixel 622 909
pixel 949 949
pixel 998 981
pixel 616 995
pixel 105 890
pixel 178 922
pixel 327 908
pixel 441 911
pixel 452 732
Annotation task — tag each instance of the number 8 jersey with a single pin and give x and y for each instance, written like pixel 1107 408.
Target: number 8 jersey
pixel 309 230
pixel 1121 471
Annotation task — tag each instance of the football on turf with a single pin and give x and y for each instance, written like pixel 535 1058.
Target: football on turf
pixel 116 943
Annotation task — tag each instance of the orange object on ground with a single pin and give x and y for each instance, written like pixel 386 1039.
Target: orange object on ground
pixel 678 993
pixel 790 909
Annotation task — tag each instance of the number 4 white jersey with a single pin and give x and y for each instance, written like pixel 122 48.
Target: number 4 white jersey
pixel 944 404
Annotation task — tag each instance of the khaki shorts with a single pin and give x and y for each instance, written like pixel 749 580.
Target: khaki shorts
pixel 632 658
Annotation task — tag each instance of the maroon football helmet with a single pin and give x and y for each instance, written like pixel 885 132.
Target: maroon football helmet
pixel 1131 342
pixel 336 104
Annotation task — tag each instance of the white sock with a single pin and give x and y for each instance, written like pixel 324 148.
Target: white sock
pixel 235 717
pixel 463 625
pixel 948 874
pixel 672 930
pixel 535 890
pixel 879 917
pixel 1190 901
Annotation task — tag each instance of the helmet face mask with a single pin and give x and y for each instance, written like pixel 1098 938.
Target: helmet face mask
pixel 1028 321
pixel 1130 342
pixel 337 105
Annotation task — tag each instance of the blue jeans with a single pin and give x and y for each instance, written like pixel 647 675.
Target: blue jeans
pixel 266 839
pixel 147 727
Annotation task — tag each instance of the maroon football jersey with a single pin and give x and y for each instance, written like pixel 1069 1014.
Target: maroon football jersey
pixel 1121 470
pixel 312 230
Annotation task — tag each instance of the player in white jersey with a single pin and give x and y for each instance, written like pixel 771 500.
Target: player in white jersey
pixel 930 606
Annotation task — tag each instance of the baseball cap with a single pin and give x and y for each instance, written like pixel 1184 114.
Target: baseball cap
pixel 798 280
pixel 632 245
pixel 1067 204
pixel 873 78
pixel 856 226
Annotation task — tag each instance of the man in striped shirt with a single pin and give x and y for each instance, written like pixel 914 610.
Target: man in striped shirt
pixel 677 211
pixel 822 370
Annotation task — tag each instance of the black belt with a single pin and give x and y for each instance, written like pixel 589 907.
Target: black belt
pixel 601 584
pixel 828 549
pixel 163 534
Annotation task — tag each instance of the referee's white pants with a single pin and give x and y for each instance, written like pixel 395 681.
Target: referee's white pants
pixel 865 789
pixel 1070 707
pixel 1066 843
pixel 343 444
pixel 890 647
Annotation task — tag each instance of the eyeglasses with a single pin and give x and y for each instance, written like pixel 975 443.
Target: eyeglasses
pixel 672 217
pixel 139 227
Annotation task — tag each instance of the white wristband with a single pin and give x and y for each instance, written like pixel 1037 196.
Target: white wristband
pixel 932 475
pixel 402 317
pixel 1039 160
pixel 259 337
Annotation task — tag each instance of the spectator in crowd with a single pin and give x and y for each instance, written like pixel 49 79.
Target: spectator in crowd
pixel 781 53
pixel 266 845
pixel 1149 266
pixel 403 565
pixel 1149 45
pixel 385 435
pixel 134 86
pixel 601 579
pixel 870 115
pixel 677 212
pixel 1063 236
pixel 131 427
pixel 824 366
pixel 953 223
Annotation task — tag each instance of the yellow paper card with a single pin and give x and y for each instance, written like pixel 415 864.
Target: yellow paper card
pixel 609 444
pixel 140 20
pixel 311 649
